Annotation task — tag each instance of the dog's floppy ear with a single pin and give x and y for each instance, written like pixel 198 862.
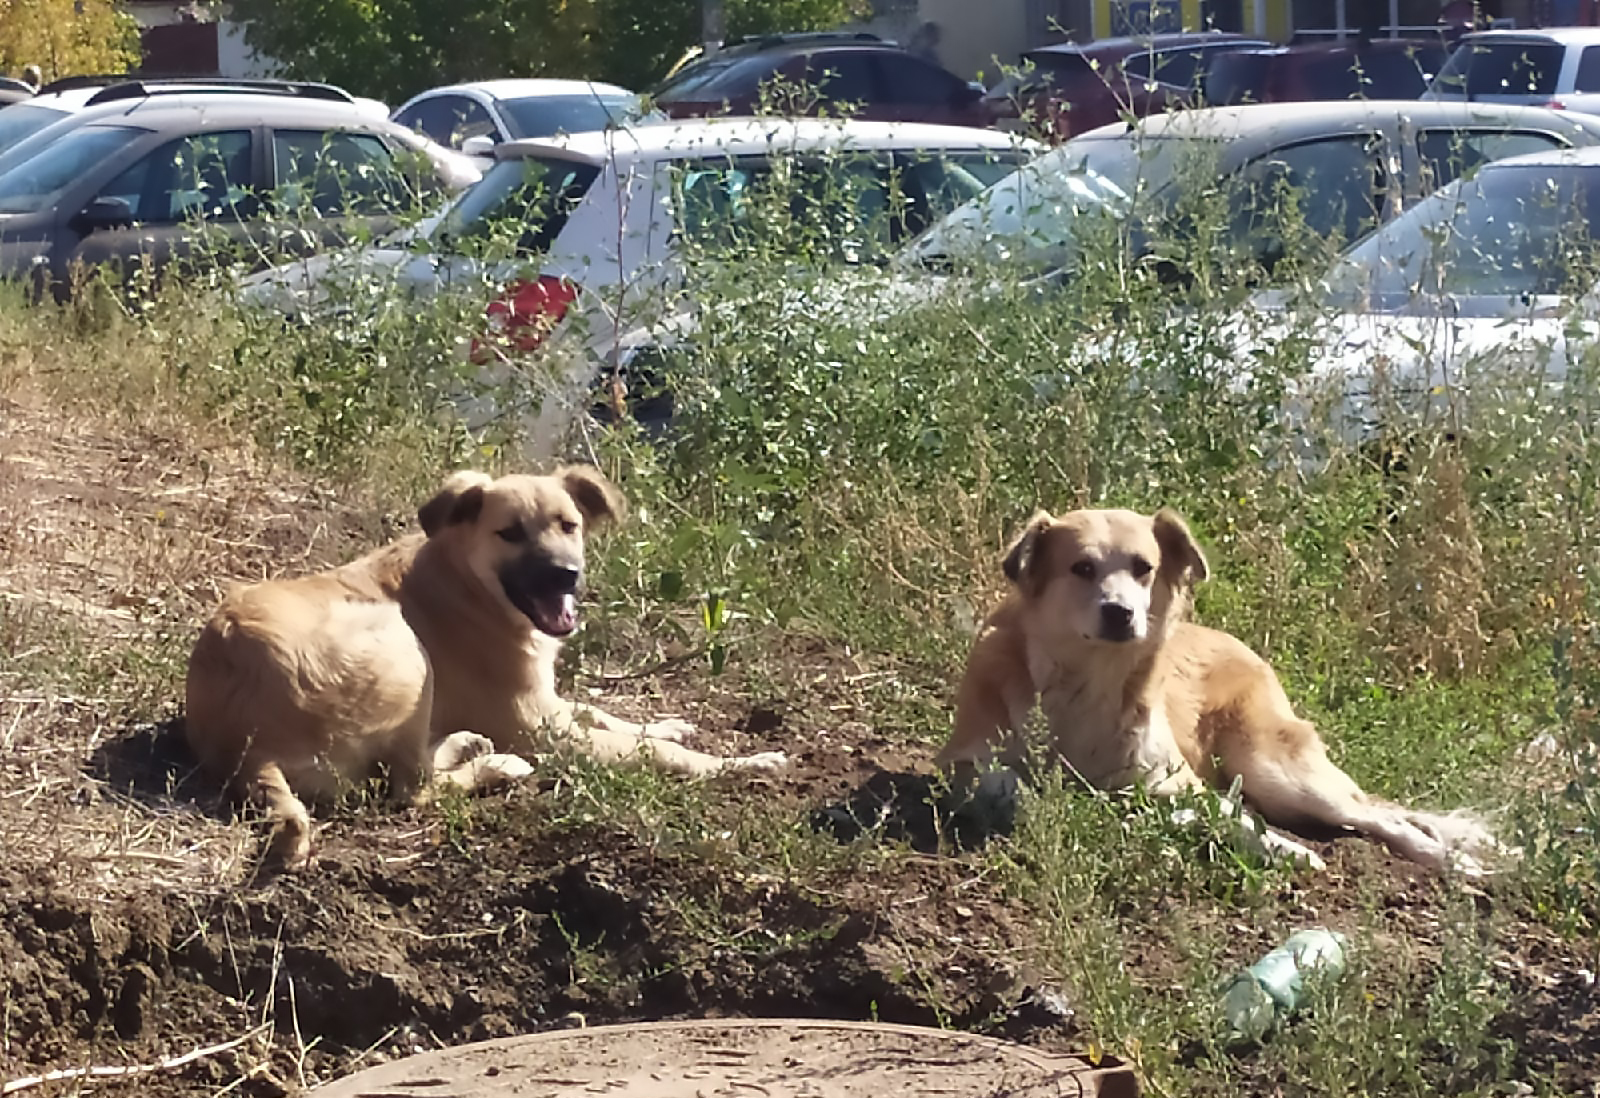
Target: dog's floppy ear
pixel 595 496
pixel 1179 551
pixel 1020 557
pixel 459 500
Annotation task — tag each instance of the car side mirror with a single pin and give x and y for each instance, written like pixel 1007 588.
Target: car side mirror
pixel 481 145
pixel 104 213
pixel 969 93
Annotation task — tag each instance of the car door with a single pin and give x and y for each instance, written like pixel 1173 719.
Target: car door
pixel 192 201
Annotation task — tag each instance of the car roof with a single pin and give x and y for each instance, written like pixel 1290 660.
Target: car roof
pixel 1348 45
pixel 1278 121
pixel 745 136
pixel 530 88
pixel 1140 43
pixel 1567 36
pixel 238 108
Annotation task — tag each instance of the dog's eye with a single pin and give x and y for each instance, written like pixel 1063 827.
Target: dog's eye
pixel 513 534
pixel 1141 567
pixel 1084 569
pixel 568 526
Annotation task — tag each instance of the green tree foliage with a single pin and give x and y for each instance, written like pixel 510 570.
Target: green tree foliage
pixel 66 36
pixel 394 48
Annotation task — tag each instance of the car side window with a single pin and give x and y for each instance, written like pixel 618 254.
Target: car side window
pixel 333 174
pixel 470 120
pixel 1456 153
pixel 1333 187
pixel 842 78
pixel 907 81
pixel 207 176
pixel 1588 77
pixel 432 117
pixel 847 205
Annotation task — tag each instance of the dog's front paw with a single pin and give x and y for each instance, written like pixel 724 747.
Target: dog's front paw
pixel 765 760
pixel 460 748
pixel 671 729
pixel 494 770
pixel 1281 848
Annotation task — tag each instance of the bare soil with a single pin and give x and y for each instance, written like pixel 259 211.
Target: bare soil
pixel 130 933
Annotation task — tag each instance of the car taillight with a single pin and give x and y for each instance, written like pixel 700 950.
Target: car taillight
pixel 527 313
pixel 1556 105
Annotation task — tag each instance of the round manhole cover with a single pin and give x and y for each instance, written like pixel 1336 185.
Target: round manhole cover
pixel 768 1058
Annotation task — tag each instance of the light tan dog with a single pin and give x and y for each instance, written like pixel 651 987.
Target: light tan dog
pixel 1092 636
pixel 431 657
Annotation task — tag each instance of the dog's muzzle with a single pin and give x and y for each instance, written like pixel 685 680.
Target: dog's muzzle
pixel 1116 622
pixel 546 591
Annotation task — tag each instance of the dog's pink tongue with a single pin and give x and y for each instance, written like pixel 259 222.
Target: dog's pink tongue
pixel 567 613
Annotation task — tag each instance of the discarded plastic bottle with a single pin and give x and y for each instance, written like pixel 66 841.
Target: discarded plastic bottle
pixel 1268 991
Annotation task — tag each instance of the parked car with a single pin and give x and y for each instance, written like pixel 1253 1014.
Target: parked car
pixel 1484 291
pixel 14 91
pixel 66 97
pixel 477 116
pixel 601 220
pixel 1067 89
pixel 874 79
pixel 140 187
pixel 1552 67
pixel 1354 163
pixel 1374 68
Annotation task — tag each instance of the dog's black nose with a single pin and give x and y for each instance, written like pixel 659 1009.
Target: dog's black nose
pixel 1116 621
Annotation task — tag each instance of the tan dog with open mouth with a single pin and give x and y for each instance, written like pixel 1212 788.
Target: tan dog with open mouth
pixel 426 656
pixel 1093 637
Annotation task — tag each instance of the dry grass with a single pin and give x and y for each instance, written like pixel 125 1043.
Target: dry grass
pixel 119 527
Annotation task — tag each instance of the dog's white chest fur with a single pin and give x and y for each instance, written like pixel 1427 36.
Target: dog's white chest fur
pixel 1110 740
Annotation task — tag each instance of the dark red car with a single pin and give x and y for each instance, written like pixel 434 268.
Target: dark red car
pixel 1063 90
pixel 1377 68
pixel 813 73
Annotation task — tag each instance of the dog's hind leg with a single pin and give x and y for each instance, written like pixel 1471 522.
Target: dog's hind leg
pixel 1297 784
pixel 263 783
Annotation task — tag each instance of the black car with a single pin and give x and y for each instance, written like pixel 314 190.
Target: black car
pixel 162 182
pixel 876 79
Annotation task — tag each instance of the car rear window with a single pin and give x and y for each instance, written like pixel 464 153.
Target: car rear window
pixel 525 202
pixel 22 120
pixel 1239 76
pixel 1375 74
pixel 1503 67
pixel 39 181
pixel 1042 70
pixel 546 115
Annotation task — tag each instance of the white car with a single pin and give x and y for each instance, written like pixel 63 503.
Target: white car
pixel 1548 67
pixel 600 220
pixel 475 117
pixel 1484 294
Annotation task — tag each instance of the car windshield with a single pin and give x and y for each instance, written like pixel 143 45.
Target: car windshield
pixel 1501 67
pixel 22 120
pixel 519 205
pixel 696 77
pixel 547 115
pixel 38 182
pixel 1034 215
pixel 1513 232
